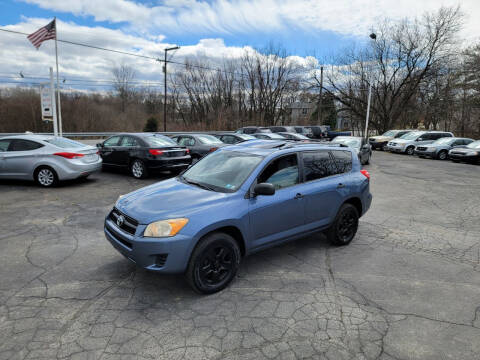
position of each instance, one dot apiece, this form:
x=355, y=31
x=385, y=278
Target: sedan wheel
x=442, y=155
x=138, y=169
x=46, y=177
x=214, y=263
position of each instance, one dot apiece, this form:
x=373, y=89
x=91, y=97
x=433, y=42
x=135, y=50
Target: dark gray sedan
x=439, y=149
x=199, y=144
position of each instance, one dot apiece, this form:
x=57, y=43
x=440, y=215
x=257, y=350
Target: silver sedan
x=46, y=159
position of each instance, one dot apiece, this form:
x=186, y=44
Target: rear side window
x=113, y=141
x=23, y=145
x=282, y=172
x=64, y=143
x=318, y=164
x=4, y=144
x=186, y=141
x=343, y=160
x=128, y=141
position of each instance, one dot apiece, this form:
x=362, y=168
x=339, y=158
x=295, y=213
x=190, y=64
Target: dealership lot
x=408, y=287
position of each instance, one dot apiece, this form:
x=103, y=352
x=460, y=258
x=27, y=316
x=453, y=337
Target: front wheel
x=214, y=263
x=138, y=169
x=442, y=155
x=345, y=226
x=410, y=150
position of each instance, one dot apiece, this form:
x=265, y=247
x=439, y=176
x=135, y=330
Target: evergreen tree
x=151, y=125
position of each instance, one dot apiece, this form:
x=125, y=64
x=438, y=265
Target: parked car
x=271, y=136
x=234, y=138
x=381, y=141
x=469, y=153
x=142, y=153
x=277, y=129
x=406, y=143
x=252, y=130
x=362, y=148
x=439, y=148
x=319, y=131
x=303, y=130
x=294, y=136
x=237, y=201
x=198, y=144
x=46, y=159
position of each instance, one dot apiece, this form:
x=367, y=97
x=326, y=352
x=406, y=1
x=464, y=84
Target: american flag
x=48, y=32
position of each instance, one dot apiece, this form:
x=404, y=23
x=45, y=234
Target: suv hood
x=401, y=141
x=168, y=199
x=381, y=138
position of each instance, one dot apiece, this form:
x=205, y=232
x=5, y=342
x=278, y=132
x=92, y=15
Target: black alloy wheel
x=345, y=226
x=214, y=263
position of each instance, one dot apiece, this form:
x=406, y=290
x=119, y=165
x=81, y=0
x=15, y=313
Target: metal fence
x=100, y=135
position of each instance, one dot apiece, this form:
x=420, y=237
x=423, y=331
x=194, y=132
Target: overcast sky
x=213, y=29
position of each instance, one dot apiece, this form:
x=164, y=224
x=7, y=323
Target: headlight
x=165, y=228
x=430, y=149
x=472, y=153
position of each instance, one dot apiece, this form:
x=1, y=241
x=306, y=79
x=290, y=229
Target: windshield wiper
x=199, y=184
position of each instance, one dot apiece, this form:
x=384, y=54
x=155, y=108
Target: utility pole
x=373, y=36
x=165, y=87
x=320, y=110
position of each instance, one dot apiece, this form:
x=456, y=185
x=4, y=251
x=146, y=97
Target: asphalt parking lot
x=408, y=287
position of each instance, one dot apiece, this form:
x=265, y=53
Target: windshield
x=389, y=133
x=349, y=141
x=247, y=137
x=445, y=140
x=222, y=170
x=159, y=140
x=474, y=145
x=65, y=143
x=209, y=139
x=411, y=135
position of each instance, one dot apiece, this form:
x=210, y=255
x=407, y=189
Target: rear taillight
x=213, y=149
x=69, y=155
x=366, y=174
x=155, y=152
x=187, y=151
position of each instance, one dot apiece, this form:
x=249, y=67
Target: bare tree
x=123, y=76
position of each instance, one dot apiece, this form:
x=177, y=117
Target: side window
x=343, y=160
x=282, y=172
x=228, y=139
x=467, y=141
x=129, y=141
x=4, y=144
x=458, y=142
x=318, y=164
x=23, y=145
x=113, y=141
x=186, y=141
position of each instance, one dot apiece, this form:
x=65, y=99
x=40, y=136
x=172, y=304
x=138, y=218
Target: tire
x=442, y=155
x=410, y=150
x=214, y=263
x=344, y=227
x=45, y=176
x=138, y=169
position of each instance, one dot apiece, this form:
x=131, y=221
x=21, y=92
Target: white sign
x=46, y=98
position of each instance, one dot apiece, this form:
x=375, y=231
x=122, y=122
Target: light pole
x=165, y=87
x=373, y=36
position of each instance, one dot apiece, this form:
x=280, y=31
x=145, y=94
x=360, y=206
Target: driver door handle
x=298, y=196
x=340, y=186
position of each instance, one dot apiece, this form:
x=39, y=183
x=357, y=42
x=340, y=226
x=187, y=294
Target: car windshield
x=445, y=140
x=389, y=133
x=159, y=140
x=474, y=145
x=247, y=137
x=411, y=135
x=223, y=171
x=64, y=143
x=350, y=142
x=209, y=139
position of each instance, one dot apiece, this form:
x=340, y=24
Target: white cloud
x=345, y=17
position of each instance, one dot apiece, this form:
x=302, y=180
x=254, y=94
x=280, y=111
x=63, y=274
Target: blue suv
x=238, y=200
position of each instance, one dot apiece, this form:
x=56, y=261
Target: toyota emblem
x=120, y=220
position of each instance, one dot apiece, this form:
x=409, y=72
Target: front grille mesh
x=129, y=225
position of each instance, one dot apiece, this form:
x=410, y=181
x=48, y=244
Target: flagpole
x=59, y=107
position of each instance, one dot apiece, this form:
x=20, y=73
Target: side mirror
x=264, y=189
x=419, y=139
x=100, y=145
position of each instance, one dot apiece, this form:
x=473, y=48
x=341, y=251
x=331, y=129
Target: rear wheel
x=442, y=155
x=46, y=177
x=214, y=263
x=345, y=226
x=138, y=169
x=410, y=150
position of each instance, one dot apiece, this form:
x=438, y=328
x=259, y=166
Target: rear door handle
x=340, y=186
x=298, y=196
